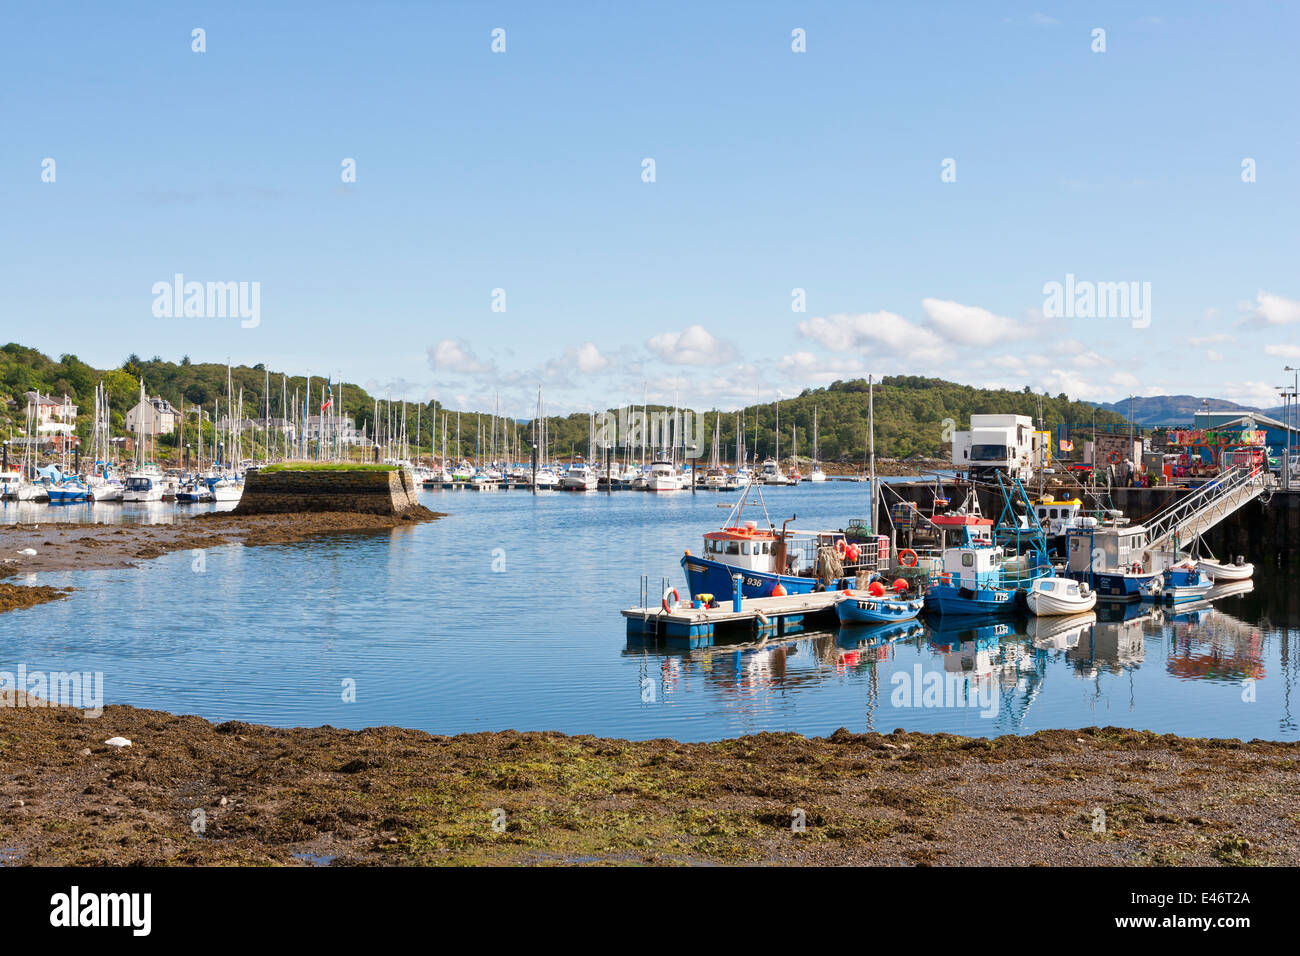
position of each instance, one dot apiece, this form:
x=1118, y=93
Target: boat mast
x=871, y=449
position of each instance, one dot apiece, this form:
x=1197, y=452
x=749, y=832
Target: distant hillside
x=1180, y=409
x=911, y=411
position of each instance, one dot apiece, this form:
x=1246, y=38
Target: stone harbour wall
x=359, y=492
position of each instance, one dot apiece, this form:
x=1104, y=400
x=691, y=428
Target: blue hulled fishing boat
x=993, y=564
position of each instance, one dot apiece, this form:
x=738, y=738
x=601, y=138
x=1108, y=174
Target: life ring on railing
x=677, y=600
x=1114, y=458
x=904, y=555
x=841, y=549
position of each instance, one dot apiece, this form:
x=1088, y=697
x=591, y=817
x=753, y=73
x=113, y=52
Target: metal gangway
x=1204, y=508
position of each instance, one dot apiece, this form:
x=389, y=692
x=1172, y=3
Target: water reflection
x=435, y=640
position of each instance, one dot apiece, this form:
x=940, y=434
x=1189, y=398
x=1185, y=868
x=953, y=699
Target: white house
x=47, y=409
x=154, y=416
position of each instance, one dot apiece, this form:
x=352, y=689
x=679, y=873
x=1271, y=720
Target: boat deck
x=699, y=626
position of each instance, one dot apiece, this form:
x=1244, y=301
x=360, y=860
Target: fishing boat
x=875, y=606
x=1112, y=558
x=980, y=575
x=579, y=477
x=1178, y=584
x=1049, y=597
x=771, y=561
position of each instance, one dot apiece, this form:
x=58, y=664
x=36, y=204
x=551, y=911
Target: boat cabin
x=1056, y=516
x=977, y=564
x=1106, y=548
x=744, y=547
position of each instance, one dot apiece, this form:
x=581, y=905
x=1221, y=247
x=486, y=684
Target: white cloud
x=1215, y=339
x=692, y=346
x=969, y=324
x=1270, y=309
x=1043, y=20
x=1283, y=351
x=876, y=331
x=587, y=358
x=450, y=355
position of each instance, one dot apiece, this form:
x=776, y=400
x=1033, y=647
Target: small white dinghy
x=1220, y=573
x=1048, y=597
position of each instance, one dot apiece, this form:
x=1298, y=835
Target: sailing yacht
x=816, y=474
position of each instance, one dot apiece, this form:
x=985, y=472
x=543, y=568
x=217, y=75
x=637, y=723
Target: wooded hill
x=911, y=411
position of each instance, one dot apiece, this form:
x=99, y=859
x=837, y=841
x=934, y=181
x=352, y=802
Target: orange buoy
x=900, y=584
x=876, y=589
x=778, y=590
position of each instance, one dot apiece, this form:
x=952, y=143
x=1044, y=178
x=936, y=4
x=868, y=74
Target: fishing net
x=829, y=567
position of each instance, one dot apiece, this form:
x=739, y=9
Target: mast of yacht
x=814, y=458
x=871, y=449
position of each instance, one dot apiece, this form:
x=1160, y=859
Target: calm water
x=435, y=638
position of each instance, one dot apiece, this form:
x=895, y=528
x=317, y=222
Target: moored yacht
x=663, y=477
x=579, y=477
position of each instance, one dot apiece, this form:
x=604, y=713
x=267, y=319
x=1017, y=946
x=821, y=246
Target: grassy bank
x=394, y=796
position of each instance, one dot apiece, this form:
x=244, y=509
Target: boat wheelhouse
x=1112, y=559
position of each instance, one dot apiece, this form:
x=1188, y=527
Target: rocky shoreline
x=190, y=792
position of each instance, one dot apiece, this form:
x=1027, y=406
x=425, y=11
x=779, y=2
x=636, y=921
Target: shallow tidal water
x=505, y=614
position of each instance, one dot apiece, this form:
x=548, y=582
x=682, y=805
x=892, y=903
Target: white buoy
x=118, y=742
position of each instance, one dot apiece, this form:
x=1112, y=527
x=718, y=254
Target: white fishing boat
x=1048, y=597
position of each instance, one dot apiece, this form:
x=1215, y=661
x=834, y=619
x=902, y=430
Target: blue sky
x=774, y=171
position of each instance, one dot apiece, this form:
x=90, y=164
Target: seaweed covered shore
x=190, y=792
x=37, y=547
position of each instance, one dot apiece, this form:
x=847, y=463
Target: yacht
x=663, y=477
x=770, y=474
x=143, y=485
x=579, y=477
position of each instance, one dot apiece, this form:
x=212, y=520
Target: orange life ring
x=903, y=555
x=1114, y=458
x=677, y=600
x=840, y=548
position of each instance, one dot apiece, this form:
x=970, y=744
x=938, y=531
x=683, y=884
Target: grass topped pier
x=307, y=486
x=310, y=466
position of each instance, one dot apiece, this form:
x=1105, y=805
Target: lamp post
x=1288, y=406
